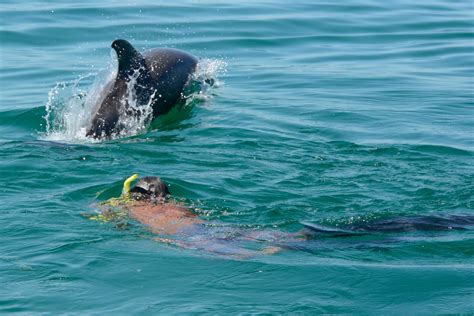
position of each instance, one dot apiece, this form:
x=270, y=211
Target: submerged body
x=155, y=79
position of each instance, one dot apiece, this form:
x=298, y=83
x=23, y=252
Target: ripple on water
x=333, y=113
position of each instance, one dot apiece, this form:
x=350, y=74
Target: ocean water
x=334, y=113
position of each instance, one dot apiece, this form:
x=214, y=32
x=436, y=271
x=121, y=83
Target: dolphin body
x=157, y=77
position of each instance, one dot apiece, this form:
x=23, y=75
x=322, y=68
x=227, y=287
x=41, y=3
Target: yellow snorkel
x=127, y=183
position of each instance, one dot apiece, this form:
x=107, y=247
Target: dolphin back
x=170, y=70
x=156, y=78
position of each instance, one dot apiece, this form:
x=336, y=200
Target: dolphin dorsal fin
x=129, y=59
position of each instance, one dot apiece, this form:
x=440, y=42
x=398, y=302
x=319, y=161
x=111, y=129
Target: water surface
x=331, y=113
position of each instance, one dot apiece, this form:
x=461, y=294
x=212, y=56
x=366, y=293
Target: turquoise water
x=326, y=112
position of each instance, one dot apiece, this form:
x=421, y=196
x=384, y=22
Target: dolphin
x=156, y=78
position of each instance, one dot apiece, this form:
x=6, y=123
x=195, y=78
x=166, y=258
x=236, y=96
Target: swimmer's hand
x=127, y=183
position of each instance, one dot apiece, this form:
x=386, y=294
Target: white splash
x=134, y=118
x=70, y=108
x=207, y=75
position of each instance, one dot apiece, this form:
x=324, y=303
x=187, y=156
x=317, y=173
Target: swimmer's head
x=149, y=188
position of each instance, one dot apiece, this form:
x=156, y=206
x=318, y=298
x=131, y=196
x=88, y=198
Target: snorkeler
x=150, y=203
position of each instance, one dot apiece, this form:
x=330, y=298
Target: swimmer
x=150, y=202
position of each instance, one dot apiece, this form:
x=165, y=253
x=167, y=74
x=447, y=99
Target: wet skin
x=163, y=218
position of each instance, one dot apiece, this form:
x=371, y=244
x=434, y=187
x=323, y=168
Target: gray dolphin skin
x=158, y=78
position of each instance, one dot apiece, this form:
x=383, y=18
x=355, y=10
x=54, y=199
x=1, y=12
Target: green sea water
x=333, y=113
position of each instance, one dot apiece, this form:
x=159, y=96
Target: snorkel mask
x=146, y=188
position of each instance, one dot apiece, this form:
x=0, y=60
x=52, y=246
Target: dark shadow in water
x=399, y=224
x=379, y=234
